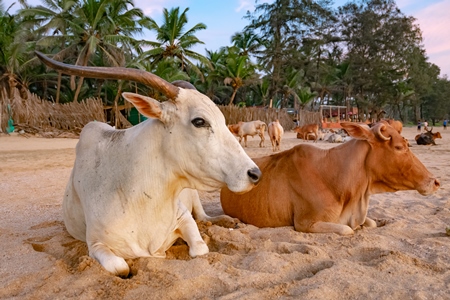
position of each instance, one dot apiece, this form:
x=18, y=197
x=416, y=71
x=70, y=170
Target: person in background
x=425, y=125
x=419, y=124
x=445, y=124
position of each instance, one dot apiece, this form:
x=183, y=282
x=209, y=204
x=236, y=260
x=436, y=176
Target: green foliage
x=175, y=41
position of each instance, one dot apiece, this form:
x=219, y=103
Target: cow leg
x=188, y=231
x=261, y=143
x=245, y=140
x=327, y=227
x=111, y=262
x=369, y=223
x=200, y=215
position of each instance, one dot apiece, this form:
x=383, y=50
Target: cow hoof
x=117, y=266
x=200, y=248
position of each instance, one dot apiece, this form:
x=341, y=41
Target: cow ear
x=358, y=131
x=147, y=106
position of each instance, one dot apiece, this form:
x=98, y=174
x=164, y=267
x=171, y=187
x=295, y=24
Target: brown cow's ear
x=147, y=106
x=357, y=131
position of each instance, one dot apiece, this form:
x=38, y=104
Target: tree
x=238, y=68
x=293, y=81
x=173, y=40
x=377, y=36
x=214, y=76
x=247, y=42
x=282, y=26
x=304, y=96
x=93, y=31
x=13, y=49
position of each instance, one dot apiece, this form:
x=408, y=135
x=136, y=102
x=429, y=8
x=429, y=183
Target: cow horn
x=378, y=131
x=144, y=77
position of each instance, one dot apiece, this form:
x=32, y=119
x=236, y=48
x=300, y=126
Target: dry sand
x=407, y=258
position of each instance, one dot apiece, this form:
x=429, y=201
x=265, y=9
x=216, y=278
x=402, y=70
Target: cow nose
x=254, y=174
x=437, y=184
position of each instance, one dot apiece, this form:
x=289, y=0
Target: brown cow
x=252, y=128
x=276, y=131
x=428, y=137
x=318, y=190
x=303, y=132
x=398, y=125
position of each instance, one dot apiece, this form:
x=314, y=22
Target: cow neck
x=350, y=167
x=159, y=170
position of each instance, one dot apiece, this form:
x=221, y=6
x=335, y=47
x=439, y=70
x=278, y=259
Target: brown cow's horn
x=378, y=131
x=144, y=77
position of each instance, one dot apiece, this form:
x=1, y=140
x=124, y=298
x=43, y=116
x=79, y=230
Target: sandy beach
x=406, y=258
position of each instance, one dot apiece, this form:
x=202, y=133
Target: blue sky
x=224, y=18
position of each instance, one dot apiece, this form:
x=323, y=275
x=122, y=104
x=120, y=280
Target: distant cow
x=428, y=137
x=303, y=132
x=398, y=125
x=276, y=132
x=252, y=128
x=124, y=197
x=317, y=190
x=334, y=138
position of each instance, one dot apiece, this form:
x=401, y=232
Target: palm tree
x=304, y=96
x=294, y=79
x=173, y=40
x=106, y=29
x=93, y=31
x=247, y=42
x=237, y=69
x=262, y=90
x=13, y=49
x=213, y=85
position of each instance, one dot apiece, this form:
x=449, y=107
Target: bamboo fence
x=34, y=115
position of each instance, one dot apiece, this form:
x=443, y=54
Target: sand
x=407, y=258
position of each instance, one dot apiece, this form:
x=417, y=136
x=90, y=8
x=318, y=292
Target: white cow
x=276, y=132
x=122, y=195
x=252, y=128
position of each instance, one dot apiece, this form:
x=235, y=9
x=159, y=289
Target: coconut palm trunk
x=232, y=96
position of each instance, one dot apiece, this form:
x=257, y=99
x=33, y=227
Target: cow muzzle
x=430, y=188
x=255, y=175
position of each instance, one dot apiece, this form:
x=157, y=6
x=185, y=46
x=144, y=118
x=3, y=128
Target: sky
x=225, y=18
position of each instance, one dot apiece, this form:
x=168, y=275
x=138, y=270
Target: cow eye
x=199, y=122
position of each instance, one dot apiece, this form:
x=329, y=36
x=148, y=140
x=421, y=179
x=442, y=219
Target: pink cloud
x=435, y=23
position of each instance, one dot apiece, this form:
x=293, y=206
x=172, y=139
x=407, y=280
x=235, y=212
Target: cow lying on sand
x=428, y=137
x=252, y=128
x=317, y=190
x=305, y=131
x=122, y=197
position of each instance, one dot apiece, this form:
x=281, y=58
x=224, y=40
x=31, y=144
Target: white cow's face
x=198, y=140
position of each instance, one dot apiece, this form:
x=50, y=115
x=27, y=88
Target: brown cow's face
x=390, y=163
x=437, y=135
